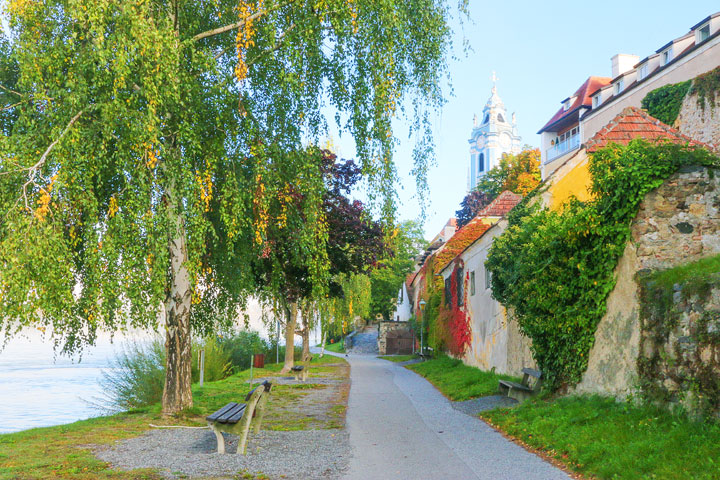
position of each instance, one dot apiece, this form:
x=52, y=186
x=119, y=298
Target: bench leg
x=245, y=428
x=304, y=375
x=220, y=438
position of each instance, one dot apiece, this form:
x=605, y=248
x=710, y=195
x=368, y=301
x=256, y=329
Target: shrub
x=218, y=364
x=136, y=377
x=240, y=346
x=664, y=103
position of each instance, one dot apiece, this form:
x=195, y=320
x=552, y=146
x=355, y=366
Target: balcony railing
x=561, y=148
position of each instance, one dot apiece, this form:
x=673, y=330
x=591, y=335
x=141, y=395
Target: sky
x=541, y=52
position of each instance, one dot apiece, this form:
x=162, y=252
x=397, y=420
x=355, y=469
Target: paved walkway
x=401, y=427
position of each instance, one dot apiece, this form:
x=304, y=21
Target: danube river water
x=39, y=389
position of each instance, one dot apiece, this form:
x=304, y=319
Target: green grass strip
x=601, y=437
x=458, y=381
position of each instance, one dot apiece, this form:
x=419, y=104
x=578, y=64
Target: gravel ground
x=179, y=452
x=291, y=380
x=477, y=405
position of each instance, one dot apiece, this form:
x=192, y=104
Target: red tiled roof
x=452, y=222
x=502, y=205
x=634, y=123
x=582, y=99
x=463, y=238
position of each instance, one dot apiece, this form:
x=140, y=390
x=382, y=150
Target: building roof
x=501, y=205
x=634, y=123
x=465, y=237
x=582, y=99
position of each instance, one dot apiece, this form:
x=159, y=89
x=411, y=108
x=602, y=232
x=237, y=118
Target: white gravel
x=182, y=453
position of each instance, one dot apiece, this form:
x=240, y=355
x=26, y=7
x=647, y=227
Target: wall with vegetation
x=679, y=362
x=699, y=114
x=677, y=224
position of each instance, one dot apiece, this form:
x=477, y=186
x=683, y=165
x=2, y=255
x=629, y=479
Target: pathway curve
x=401, y=427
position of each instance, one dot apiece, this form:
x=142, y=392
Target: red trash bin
x=259, y=360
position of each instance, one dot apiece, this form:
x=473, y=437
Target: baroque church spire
x=492, y=137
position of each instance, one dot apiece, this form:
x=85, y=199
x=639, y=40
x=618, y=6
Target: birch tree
x=131, y=181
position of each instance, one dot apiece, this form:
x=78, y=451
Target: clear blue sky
x=541, y=51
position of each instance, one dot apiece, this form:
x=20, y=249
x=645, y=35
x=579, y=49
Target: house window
x=666, y=56
x=596, y=100
x=481, y=163
x=459, y=274
x=472, y=283
x=566, y=104
x=488, y=278
x=703, y=33
x=448, y=292
x=643, y=71
x=619, y=86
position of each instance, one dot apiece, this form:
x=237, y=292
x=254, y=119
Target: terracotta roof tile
x=634, y=123
x=502, y=205
x=582, y=99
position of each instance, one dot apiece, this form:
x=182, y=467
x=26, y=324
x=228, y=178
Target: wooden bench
x=524, y=390
x=236, y=417
x=300, y=372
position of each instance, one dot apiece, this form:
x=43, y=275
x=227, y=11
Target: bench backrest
x=265, y=386
x=536, y=374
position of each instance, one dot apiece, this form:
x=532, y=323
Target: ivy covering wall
x=664, y=103
x=706, y=87
x=555, y=269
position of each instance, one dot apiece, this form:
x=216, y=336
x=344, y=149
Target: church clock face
x=505, y=140
x=480, y=143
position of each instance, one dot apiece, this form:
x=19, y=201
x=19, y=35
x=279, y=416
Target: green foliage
x=706, y=87
x=136, y=377
x=518, y=173
x=405, y=242
x=337, y=347
x=664, y=103
x=218, y=361
x=605, y=439
x=555, y=269
x=241, y=345
x=458, y=381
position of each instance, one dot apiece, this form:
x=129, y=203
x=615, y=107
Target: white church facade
x=491, y=138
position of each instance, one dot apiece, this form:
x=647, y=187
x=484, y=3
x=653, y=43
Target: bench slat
x=532, y=373
x=214, y=416
x=297, y=368
x=234, y=415
x=515, y=385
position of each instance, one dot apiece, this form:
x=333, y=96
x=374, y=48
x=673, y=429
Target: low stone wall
x=677, y=223
x=702, y=124
x=384, y=329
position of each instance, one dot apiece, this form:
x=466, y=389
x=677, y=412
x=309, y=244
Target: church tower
x=491, y=138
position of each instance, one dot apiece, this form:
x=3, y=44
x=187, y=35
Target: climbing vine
x=707, y=86
x=555, y=269
x=455, y=315
x=664, y=103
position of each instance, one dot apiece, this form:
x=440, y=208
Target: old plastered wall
x=700, y=123
x=677, y=223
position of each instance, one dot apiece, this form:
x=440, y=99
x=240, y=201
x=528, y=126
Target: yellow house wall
x=571, y=179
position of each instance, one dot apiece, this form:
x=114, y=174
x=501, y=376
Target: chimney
x=622, y=62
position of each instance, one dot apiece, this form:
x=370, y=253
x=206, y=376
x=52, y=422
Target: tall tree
x=405, y=242
x=470, y=206
x=518, y=173
x=138, y=156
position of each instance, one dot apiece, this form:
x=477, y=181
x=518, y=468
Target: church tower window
x=487, y=119
x=501, y=118
x=481, y=162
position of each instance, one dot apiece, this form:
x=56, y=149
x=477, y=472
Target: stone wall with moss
x=677, y=224
x=679, y=362
x=699, y=115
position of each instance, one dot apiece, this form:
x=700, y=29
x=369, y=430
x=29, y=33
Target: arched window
x=481, y=162
x=487, y=119
x=500, y=118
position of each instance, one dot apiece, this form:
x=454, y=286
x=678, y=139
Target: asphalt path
x=401, y=427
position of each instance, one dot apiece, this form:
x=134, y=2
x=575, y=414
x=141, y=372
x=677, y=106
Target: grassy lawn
x=608, y=439
x=458, y=381
x=398, y=358
x=62, y=452
x=338, y=347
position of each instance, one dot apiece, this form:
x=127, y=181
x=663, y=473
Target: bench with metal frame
x=236, y=417
x=522, y=391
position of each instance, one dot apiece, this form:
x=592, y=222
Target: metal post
x=277, y=341
x=202, y=366
x=251, y=370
